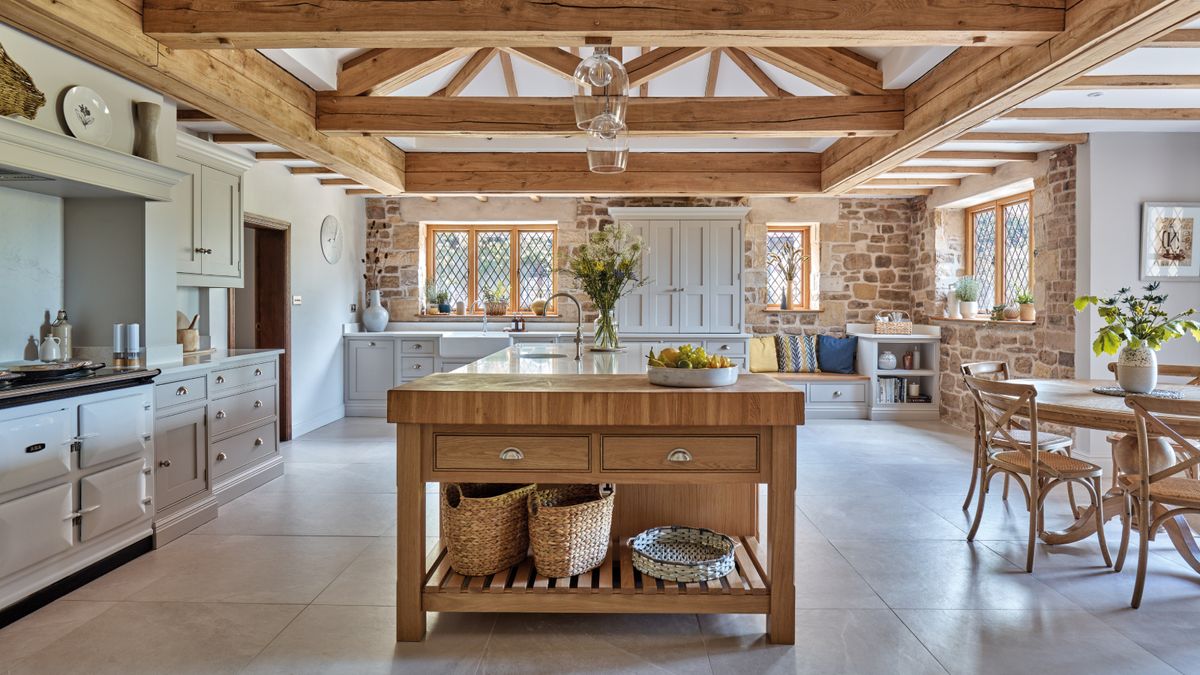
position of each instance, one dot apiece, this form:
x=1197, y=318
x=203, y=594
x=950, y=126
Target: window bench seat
x=830, y=395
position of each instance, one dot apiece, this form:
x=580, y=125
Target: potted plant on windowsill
x=967, y=289
x=495, y=300
x=1135, y=327
x=1025, y=302
x=789, y=260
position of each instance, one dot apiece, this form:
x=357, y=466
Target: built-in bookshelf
x=900, y=393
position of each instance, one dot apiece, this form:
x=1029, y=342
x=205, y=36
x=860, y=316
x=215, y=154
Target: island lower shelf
x=614, y=587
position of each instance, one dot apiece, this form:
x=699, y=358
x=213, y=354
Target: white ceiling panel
x=1153, y=61
x=1089, y=126
x=489, y=81
x=791, y=83
x=1118, y=98
x=433, y=81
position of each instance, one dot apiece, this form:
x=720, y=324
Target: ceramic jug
x=51, y=349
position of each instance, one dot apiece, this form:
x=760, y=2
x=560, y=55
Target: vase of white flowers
x=608, y=267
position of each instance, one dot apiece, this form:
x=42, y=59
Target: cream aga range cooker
x=75, y=481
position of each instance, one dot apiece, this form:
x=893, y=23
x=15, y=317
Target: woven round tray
x=682, y=553
x=1116, y=390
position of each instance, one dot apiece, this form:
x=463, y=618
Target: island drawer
x=239, y=410
x=837, y=393
x=238, y=451
x=254, y=373
x=679, y=453
x=178, y=393
x=511, y=453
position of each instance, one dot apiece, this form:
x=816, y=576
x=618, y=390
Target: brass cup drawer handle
x=182, y=391
x=221, y=457
x=258, y=404
x=512, y=454
x=679, y=455
x=220, y=414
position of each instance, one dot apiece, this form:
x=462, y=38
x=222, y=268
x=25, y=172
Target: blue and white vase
x=1137, y=369
x=375, y=316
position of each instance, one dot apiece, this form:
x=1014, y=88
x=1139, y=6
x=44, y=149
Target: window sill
x=984, y=321
x=491, y=317
x=776, y=310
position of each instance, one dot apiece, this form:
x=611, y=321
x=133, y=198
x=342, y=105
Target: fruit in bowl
x=690, y=366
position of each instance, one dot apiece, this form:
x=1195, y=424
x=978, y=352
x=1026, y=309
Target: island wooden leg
x=781, y=533
x=410, y=534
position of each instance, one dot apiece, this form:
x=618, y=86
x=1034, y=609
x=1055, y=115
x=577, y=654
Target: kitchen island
x=532, y=413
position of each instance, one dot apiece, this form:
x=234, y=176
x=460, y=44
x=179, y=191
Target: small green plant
x=998, y=312
x=497, y=293
x=1137, y=320
x=1025, y=297
x=967, y=289
x=435, y=294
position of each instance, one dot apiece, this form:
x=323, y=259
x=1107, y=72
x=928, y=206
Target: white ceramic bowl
x=693, y=377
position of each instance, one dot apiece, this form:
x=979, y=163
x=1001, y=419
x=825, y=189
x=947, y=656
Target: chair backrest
x=1192, y=373
x=1149, y=412
x=992, y=370
x=997, y=403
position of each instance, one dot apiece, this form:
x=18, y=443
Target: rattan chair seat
x=1170, y=490
x=1052, y=464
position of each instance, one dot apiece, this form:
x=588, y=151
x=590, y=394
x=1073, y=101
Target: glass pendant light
x=603, y=88
x=607, y=145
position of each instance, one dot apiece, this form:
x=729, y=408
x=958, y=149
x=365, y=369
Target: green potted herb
x=998, y=312
x=1025, y=301
x=967, y=289
x=495, y=300
x=1135, y=327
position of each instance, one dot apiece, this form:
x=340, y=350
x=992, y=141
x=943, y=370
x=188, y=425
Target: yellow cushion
x=762, y=355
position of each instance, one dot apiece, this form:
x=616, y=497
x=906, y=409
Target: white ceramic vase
x=375, y=316
x=952, y=305
x=968, y=309
x=1137, y=369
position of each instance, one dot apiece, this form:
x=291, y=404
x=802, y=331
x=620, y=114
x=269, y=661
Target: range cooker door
x=35, y=527
x=34, y=448
x=111, y=498
x=113, y=428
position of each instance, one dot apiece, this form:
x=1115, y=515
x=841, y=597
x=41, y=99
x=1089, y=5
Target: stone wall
x=1045, y=350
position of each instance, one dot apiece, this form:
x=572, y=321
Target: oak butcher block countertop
x=574, y=393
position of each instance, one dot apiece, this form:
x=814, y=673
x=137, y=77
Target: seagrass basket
x=484, y=526
x=18, y=94
x=570, y=528
x=885, y=325
x=686, y=554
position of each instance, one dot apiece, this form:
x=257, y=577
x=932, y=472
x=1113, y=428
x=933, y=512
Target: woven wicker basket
x=570, y=528
x=685, y=554
x=485, y=526
x=18, y=94
x=903, y=327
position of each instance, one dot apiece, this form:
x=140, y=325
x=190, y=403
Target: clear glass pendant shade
x=607, y=146
x=603, y=86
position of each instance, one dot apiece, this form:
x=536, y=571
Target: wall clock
x=332, y=239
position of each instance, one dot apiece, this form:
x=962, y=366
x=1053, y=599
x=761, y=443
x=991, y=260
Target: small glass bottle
x=61, y=329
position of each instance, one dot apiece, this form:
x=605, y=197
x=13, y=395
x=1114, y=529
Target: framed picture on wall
x=1170, y=245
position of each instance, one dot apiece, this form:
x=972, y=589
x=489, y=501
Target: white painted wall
x=31, y=268
x=1117, y=172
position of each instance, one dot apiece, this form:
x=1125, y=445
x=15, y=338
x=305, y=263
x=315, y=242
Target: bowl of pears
x=690, y=366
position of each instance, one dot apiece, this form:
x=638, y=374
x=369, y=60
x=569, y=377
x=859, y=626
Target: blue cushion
x=836, y=355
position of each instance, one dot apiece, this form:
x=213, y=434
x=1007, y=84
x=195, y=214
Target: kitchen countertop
x=217, y=359
x=516, y=360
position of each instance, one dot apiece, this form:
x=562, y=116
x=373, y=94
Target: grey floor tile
x=290, y=513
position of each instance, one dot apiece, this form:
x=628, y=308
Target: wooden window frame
x=969, y=254
x=804, y=302
x=514, y=256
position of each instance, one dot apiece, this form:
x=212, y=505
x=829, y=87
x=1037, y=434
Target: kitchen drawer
x=417, y=346
x=416, y=366
x=843, y=392
x=725, y=347
x=240, y=410
x=244, y=448
x=679, y=453
x=178, y=393
x=511, y=453
x=232, y=378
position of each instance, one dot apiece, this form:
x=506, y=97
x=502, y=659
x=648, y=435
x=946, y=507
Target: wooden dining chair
x=1023, y=458
x=1173, y=493
x=1191, y=375
x=998, y=371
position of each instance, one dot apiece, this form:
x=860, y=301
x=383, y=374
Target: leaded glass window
x=779, y=237
x=1001, y=251
x=468, y=261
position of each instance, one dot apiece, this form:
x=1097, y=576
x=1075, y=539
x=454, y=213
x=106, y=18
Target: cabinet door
x=180, y=457
x=663, y=258
x=221, y=222
x=113, y=428
x=633, y=310
x=35, y=448
x=111, y=498
x=35, y=527
x=185, y=209
x=372, y=367
x=694, y=282
x=725, y=277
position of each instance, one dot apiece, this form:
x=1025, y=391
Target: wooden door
x=180, y=456
x=371, y=368
x=185, y=209
x=694, y=254
x=726, y=303
x=221, y=212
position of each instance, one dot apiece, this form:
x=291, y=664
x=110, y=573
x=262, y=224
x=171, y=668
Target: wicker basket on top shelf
x=886, y=323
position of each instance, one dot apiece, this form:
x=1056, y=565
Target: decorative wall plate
x=87, y=115
x=332, y=239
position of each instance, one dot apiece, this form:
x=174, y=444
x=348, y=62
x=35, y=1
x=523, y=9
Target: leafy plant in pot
x=967, y=289
x=436, y=296
x=1135, y=327
x=495, y=300
x=789, y=260
x=607, y=268
x=1025, y=301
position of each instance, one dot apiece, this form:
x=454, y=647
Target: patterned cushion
x=797, y=353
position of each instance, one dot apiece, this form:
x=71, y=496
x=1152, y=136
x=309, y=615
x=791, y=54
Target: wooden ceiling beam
x=311, y=170
x=1137, y=114
x=977, y=155
x=954, y=170
x=714, y=70
x=362, y=191
x=243, y=88
x=379, y=72
x=1134, y=81
x=237, y=139
x=760, y=79
x=660, y=60
x=510, y=78
x=467, y=73
x=913, y=182
x=554, y=59
x=648, y=174
x=530, y=116
x=830, y=69
x=1006, y=137
x=237, y=24
x=194, y=116
x=338, y=181
x=277, y=157
x=898, y=193
x=1187, y=38
x=973, y=86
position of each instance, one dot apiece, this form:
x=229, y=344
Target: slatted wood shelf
x=614, y=587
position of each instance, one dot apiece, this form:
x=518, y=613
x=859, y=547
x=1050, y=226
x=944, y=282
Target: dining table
x=1074, y=403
